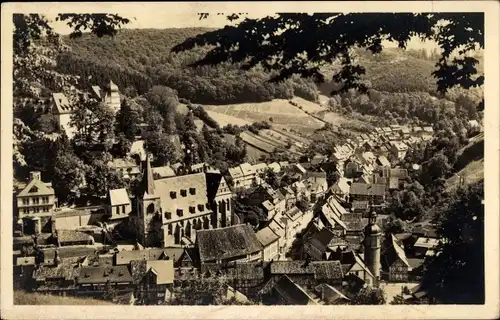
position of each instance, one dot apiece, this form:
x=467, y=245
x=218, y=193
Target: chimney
x=35, y=175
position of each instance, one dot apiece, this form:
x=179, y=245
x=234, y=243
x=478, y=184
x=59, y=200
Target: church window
x=192, y=191
x=183, y=192
x=192, y=209
x=173, y=194
x=201, y=207
x=179, y=212
x=168, y=215
x=151, y=208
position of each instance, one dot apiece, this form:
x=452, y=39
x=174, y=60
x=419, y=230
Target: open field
x=280, y=110
x=24, y=298
x=309, y=106
x=252, y=140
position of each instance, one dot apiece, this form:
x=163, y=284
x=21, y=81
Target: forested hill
x=136, y=59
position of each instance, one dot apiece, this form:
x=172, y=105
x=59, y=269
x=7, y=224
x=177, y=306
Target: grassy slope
x=472, y=172
x=24, y=298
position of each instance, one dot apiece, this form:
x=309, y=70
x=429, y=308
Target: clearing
x=473, y=172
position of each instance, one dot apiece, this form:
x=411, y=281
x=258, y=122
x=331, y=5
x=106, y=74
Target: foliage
x=161, y=147
x=127, y=120
x=69, y=175
x=100, y=179
x=200, y=291
x=201, y=113
x=455, y=274
x=300, y=43
x=370, y=296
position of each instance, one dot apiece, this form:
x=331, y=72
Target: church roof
x=61, y=103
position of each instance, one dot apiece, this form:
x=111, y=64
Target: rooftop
x=228, y=242
x=113, y=274
x=125, y=256
x=119, y=197
x=266, y=236
x=367, y=189
x=72, y=236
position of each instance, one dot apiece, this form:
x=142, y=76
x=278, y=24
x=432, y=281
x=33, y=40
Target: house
x=308, y=274
x=317, y=245
x=352, y=264
x=301, y=191
x=286, y=292
x=391, y=177
x=119, y=205
x=290, y=197
x=137, y=150
x=317, y=185
x=235, y=243
x=237, y=176
x=298, y=168
x=126, y=167
x=110, y=95
x=353, y=170
x=171, y=210
x=423, y=245
x=394, y=262
x=62, y=110
x=73, y=238
x=270, y=243
x=383, y=162
x=59, y=278
x=405, y=132
x=36, y=199
x=360, y=206
x=417, y=131
x=153, y=280
x=94, y=281
x=275, y=166
x=198, y=167
x=268, y=208
x=66, y=218
x=428, y=130
x=341, y=188
x=297, y=220
x=279, y=225
x=386, y=130
x=330, y=295
x=369, y=192
x=175, y=254
x=248, y=175
x=399, y=149
x=246, y=277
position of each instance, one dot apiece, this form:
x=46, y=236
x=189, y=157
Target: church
x=170, y=210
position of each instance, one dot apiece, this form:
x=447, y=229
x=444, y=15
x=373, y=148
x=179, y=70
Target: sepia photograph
x=269, y=155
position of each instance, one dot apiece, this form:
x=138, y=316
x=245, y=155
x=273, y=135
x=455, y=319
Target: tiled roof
x=360, y=204
x=228, y=242
x=245, y=271
x=126, y=256
x=332, y=292
x=67, y=269
x=367, y=189
x=66, y=252
x=235, y=172
x=120, y=163
x=327, y=270
x=119, y=197
x=61, y=103
x=394, y=252
x=25, y=261
x=291, y=267
x=113, y=274
x=165, y=188
x=266, y=236
x=72, y=236
x=294, y=213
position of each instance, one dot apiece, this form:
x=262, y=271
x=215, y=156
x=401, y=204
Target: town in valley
x=145, y=185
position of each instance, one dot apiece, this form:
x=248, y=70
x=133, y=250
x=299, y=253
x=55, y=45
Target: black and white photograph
x=269, y=155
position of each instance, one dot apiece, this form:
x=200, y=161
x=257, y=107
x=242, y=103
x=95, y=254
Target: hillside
x=24, y=298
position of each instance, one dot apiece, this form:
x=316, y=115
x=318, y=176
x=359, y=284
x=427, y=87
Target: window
x=192, y=209
x=36, y=210
x=45, y=199
x=201, y=207
x=169, y=228
x=36, y=200
x=192, y=191
x=151, y=208
x=168, y=215
x=26, y=202
x=173, y=194
x=179, y=212
x=184, y=192
x=123, y=209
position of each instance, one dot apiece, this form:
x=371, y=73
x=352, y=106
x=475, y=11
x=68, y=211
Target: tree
x=300, y=43
x=162, y=148
x=127, y=120
x=370, y=296
x=455, y=274
x=69, y=175
x=94, y=122
x=100, y=179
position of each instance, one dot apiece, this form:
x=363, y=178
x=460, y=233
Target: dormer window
x=173, y=194
x=184, y=192
x=201, y=207
x=179, y=212
x=34, y=189
x=192, y=191
x=192, y=209
x=168, y=215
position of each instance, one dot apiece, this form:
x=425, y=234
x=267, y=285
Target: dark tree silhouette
x=300, y=43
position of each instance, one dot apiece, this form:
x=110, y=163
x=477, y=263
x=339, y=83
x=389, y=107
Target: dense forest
x=138, y=59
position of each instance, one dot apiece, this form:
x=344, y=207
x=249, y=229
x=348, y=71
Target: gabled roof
x=383, y=161
x=119, y=197
x=126, y=256
x=294, y=213
x=394, y=252
x=367, y=189
x=228, y=242
x=333, y=294
x=119, y=163
x=164, y=172
x=61, y=103
x=266, y=236
x=163, y=269
x=291, y=292
x=235, y=172
x=113, y=274
x=36, y=188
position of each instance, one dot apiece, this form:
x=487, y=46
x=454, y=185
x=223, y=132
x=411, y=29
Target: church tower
x=148, y=209
x=372, y=244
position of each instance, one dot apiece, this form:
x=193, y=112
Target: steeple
x=147, y=183
x=372, y=245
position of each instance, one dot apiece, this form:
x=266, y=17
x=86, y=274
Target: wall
x=271, y=251
x=64, y=121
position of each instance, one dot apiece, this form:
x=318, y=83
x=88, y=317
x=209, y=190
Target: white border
x=488, y=311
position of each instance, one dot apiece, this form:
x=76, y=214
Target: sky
x=147, y=20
